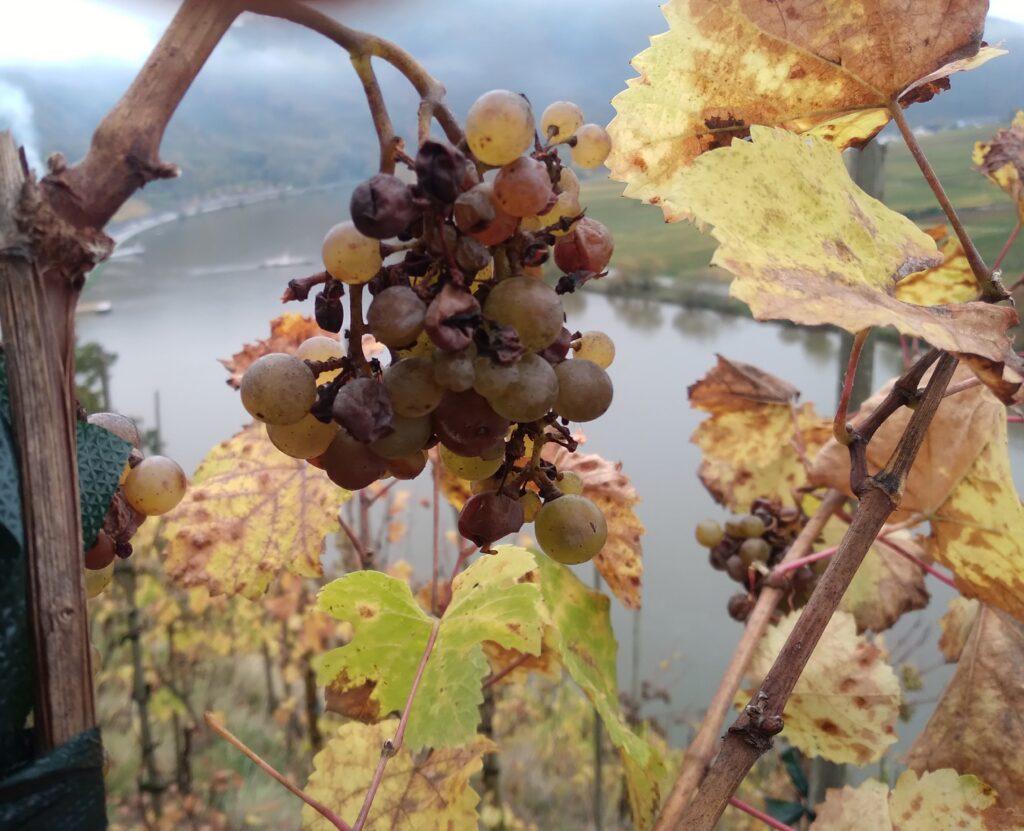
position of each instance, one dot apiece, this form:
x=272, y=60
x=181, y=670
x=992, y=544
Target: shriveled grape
x=489, y=516
x=587, y=247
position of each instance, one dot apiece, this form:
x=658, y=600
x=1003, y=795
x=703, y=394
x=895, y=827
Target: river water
x=197, y=292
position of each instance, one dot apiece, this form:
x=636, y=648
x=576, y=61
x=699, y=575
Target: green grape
x=408, y=467
x=351, y=464
x=571, y=529
x=490, y=378
x=734, y=528
x=531, y=505
x=584, y=390
x=597, y=348
x=754, y=550
x=155, y=485
x=121, y=426
x=409, y=436
x=321, y=348
x=569, y=182
x=96, y=581
x=395, y=316
x=472, y=468
x=752, y=526
x=306, y=438
x=560, y=120
x=530, y=392
x=412, y=388
x=349, y=256
x=593, y=144
x=709, y=533
x=570, y=482
x=454, y=370
x=566, y=205
x=499, y=127
x=523, y=187
x=278, y=389
x=530, y=306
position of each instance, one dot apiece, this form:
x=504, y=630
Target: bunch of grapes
x=150, y=486
x=479, y=351
x=749, y=546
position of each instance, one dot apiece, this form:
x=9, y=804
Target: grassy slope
x=646, y=247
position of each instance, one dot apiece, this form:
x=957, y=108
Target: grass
x=645, y=247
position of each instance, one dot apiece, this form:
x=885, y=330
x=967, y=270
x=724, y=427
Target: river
x=197, y=292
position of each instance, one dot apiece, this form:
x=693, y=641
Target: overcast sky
x=70, y=31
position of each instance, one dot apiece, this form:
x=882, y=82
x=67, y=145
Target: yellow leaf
x=829, y=67
x=952, y=281
x=977, y=726
x=939, y=800
x=846, y=703
x=750, y=445
x=1002, y=160
x=250, y=512
x=417, y=793
x=841, y=262
x=956, y=626
x=287, y=333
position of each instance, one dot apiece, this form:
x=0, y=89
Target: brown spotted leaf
x=806, y=65
x=939, y=800
x=757, y=440
x=956, y=627
x=978, y=724
x=287, y=332
x=952, y=281
x=845, y=705
x=417, y=792
x=1002, y=160
x=251, y=511
x=841, y=263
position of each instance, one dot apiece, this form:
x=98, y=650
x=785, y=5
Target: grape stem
x=435, y=471
x=364, y=556
x=840, y=429
x=267, y=768
x=770, y=821
x=1007, y=246
x=356, y=330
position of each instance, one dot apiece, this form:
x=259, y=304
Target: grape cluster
x=150, y=486
x=749, y=546
x=479, y=351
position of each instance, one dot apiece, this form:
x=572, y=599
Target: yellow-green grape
x=97, y=580
x=560, y=120
x=593, y=144
x=522, y=187
x=571, y=529
x=472, y=468
x=709, y=533
x=499, y=127
x=531, y=505
x=570, y=482
x=528, y=305
x=155, y=485
x=409, y=436
x=596, y=347
x=321, y=348
x=396, y=316
x=349, y=256
x=584, y=390
x=754, y=550
x=480, y=485
x=412, y=388
x=454, y=370
x=306, y=438
x=121, y=426
x=566, y=205
x=278, y=389
x=530, y=393
x=569, y=182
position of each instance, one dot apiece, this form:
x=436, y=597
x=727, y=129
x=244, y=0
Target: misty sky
x=70, y=31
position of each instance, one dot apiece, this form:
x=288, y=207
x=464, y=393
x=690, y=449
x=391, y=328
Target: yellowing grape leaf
x=750, y=445
x=956, y=627
x=978, y=725
x=819, y=65
x=417, y=793
x=938, y=800
x=952, y=281
x=620, y=562
x=845, y=706
x=287, y=332
x=250, y=512
x=962, y=426
x=1002, y=160
x=887, y=585
x=978, y=531
x=391, y=631
x=841, y=262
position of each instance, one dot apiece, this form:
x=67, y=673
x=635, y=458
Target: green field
x=645, y=247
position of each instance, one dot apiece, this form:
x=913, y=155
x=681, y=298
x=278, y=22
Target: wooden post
x=43, y=418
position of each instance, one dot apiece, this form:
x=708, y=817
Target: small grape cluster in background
x=747, y=547
x=149, y=486
x=481, y=361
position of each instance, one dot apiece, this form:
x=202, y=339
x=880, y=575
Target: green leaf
x=791, y=759
x=391, y=631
